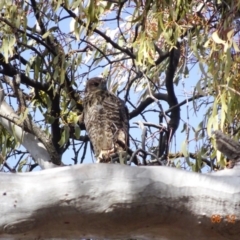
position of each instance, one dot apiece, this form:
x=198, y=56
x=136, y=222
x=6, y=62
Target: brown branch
x=29, y=126
x=193, y=156
x=10, y=71
x=184, y=102
x=104, y=36
x=146, y=103
x=148, y=124
x=172, y=99
x=23, y=32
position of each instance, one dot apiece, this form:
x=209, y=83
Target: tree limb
x=10, y=71
x=135, y=202
x=229, y=147
x=9, y=119
x=147, y=102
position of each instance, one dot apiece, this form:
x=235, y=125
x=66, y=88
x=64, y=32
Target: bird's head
x=96, y=84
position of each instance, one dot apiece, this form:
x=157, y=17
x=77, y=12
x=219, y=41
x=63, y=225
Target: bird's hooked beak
x=103, y=85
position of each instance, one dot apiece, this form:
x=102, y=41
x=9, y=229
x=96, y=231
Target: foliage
x=55, y=46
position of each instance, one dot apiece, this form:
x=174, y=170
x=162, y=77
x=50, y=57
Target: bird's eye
x=96, y=84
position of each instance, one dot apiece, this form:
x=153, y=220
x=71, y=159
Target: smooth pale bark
x=28, y=140
x=108, y=201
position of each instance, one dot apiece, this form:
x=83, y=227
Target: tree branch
x=147, y=102
x=10, y=71
x=104, y=36
x=28, y=125
x=76, y=197
x=8, y=120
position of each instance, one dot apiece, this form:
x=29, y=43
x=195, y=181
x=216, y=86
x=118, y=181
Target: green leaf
x=21, y=165
x=77, y=131
x=46, y=34
x=64, y=136
x=184, y=149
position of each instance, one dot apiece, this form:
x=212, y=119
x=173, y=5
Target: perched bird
x=106, y=120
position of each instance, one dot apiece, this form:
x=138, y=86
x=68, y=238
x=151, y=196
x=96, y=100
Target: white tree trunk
x=28, y=140
x=109, y=201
